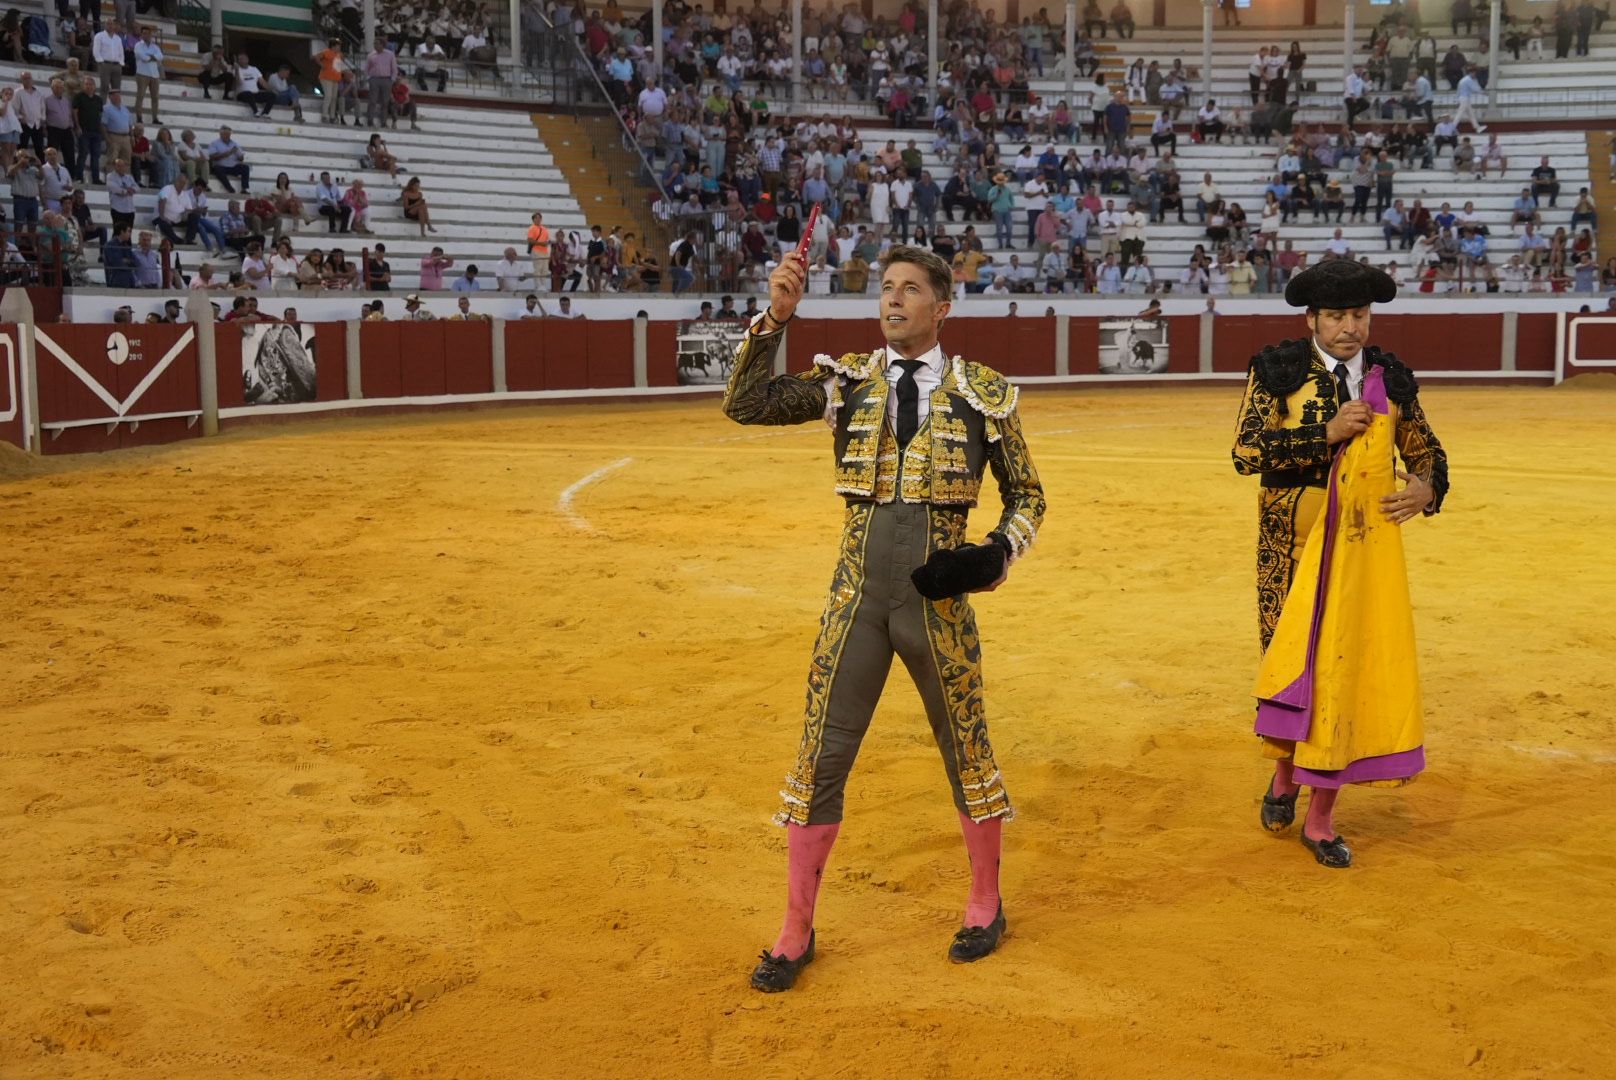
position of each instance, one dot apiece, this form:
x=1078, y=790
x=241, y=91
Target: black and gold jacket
x=972, y=424
x=1291, y=396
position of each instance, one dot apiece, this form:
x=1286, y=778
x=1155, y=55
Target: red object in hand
x=808, y=234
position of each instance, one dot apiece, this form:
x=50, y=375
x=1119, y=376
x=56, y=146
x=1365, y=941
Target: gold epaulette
x=853, y=365
x=988, y=392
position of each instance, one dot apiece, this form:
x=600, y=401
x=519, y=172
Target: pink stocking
x=808, y=848
x=1284, y=778
x=982, y=844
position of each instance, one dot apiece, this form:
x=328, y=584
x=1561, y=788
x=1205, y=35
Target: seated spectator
x=283, y=266
x=262, y=217
x=430, y=61
x=356, y=201
x=249, y=87
x=338, y=272
x=467, y=281
x=206, y=226
x=216, y=71
x=1544, y=182
x=311, y=271
x=415, y=206
x=234, y=226
x=226, y=159
x=377, y=156
x=283, y=91
x=1525, y=211
x=193, y=158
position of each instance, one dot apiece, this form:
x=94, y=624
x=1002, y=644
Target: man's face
x=465, y=305
x=911, y=313
x=1341, y=332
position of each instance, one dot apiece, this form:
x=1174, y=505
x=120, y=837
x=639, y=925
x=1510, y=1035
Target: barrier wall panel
x=468, y=357
x=804, y=340
x=566, y=356
x=1032, y=348
x=157, y=432
x=661, y=353
x=1184, y=344
x=142, y=369
x=524, y=353
x=12, y=429
x=1237, y=338
x=844, y=336
x=611, y=353
x=62, y=394
x=227, y=363
x=380, y=370
x=1534, y=341
x=1083, y=346
x=421, y=359
x=330, y=362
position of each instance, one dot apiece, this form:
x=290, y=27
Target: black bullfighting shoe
x=1278, y=811
x=1332, y=853
x=776, y=974
x=972, y=943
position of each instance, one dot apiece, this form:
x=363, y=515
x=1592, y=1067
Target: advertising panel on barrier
x=277, y=363
x=707, y=350
x=1133, y=346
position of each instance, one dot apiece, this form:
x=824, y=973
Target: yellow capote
x=1365, y=680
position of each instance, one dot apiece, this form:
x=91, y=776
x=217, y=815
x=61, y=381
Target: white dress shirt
x=1354, y=369
x=928, y=377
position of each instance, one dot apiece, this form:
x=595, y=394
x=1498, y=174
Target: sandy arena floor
x=383, y=747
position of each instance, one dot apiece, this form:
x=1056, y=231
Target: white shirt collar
x=1355, y=367
x=932, y=358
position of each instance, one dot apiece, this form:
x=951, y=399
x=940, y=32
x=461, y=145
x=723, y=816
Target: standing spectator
x=283, y=91
x=331, y=66
x=927, y=197
x=1385, y=174
x=30, y=105
x=148, y=73
x=108, y=53
x=685, y=260
x=429, y=64
x=1470, y=94
x=226, y=159
x=117, y=124
x=381, y=69
x=55, y=182
x=121, y=188
x=119, y=259
x=25, y=177
x=1355, y=94
x=1118, y=121
x=538, y=246
x=11, y=127
x=903, y=196
x=59, y=127
x=87, y=112
x=1131, y=234
x=1001, y=200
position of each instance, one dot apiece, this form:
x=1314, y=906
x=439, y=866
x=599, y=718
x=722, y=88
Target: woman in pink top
x=356, y=200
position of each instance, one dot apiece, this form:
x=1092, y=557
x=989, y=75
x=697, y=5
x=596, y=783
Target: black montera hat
x=1340, y=283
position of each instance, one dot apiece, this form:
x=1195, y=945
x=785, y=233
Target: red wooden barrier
x=1534, y=341
x=661, y=353
x=108, y=373
x=11, y=388
x=611, y=352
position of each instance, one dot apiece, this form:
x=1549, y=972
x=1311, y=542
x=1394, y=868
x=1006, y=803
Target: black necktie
x=908, y=402
x=1343, y=388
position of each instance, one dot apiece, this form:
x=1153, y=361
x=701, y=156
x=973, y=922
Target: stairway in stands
x=1602, y=187
x=603, y=175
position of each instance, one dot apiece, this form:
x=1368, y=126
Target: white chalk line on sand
x=564, y=500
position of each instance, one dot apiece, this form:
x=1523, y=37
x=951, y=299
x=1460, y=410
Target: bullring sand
x=446, y=747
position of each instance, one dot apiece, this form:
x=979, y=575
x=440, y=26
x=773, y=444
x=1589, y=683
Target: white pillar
x=502, y=384
x=516, y=34
x=796, y=54
x=370, y=27
x=642, y=360
x=656, y=42
x=1207, y=7
x=350, y=330
x=216, y=22
x=1493, y=31
x=17, y=307
x=1346, y=40
x=199, y=313
x=1071, y=49
x=931, y=52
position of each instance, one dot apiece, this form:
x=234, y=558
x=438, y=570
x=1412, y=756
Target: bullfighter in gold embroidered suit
x=913, y=432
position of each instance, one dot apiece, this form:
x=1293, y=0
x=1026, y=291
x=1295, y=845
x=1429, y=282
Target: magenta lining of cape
x=1289, y=713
